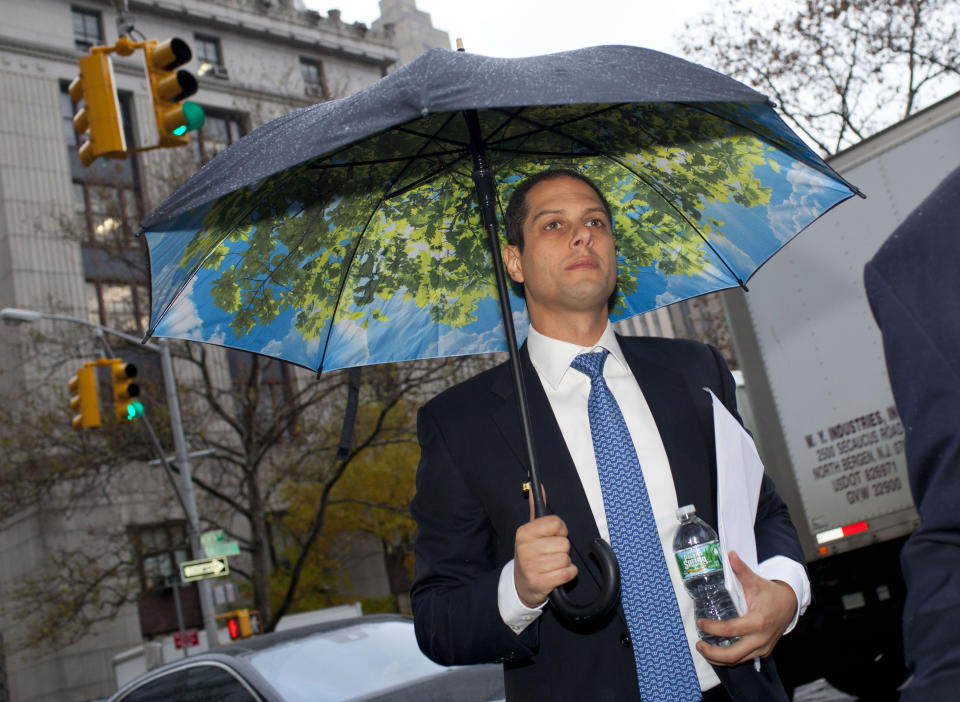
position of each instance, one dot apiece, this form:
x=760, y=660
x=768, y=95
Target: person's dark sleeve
x=924, y=377
x=454, y=593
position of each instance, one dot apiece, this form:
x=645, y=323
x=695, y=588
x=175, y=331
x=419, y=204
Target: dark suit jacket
x=913, y=284
x=469, y=505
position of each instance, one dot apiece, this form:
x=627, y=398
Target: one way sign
x=215, y=567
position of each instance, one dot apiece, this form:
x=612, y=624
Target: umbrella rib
x=381, y=161
x=434, y=138
x=500, y=127
x=540, y=128
x=425, y=179
x=537, y=152
x=186, y=281
x=290, y=252
x=393, y=159
x=650, y=185
x=503, y=125
x=453, y=163
x=346, y=269
x=775, y=140
x=684, y=217
x=511, y=116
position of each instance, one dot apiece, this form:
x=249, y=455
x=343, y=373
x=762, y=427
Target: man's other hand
x=771, y=605
x=541, y=558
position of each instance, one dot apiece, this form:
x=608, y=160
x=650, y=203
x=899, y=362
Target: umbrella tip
x=460, y=45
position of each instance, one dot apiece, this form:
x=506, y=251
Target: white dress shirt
x=567, y=391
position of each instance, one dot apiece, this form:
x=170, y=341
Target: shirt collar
x=552, y=357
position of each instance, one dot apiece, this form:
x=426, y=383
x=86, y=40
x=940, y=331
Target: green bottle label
x=700, y=560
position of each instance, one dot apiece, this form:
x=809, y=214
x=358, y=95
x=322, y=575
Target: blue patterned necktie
x=664, y=666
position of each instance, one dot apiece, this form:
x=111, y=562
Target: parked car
x=373, y=658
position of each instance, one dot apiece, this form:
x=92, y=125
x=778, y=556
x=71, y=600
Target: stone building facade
x=255, y=60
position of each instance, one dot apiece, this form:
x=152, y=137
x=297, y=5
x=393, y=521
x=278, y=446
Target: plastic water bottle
x=701, y=565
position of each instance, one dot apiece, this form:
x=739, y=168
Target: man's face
x=568, y=263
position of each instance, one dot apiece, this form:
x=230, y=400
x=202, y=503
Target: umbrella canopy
x=348, y=233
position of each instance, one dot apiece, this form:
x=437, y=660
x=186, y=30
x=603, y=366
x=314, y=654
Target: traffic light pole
x=179, y=443
x=189, y=497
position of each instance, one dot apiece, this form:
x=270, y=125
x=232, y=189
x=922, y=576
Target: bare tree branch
x=839, y=70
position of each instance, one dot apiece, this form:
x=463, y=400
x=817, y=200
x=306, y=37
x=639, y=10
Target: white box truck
x=818, y=401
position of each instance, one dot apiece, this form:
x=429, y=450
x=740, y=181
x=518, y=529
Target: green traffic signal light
x=193, y=118
x=134, y=410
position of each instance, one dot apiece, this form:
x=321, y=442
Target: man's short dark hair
x=517, y=209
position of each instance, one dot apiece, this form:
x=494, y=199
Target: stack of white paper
x=739, y=474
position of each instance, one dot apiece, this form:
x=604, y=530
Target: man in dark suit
x=484, y=566
x=913, y=284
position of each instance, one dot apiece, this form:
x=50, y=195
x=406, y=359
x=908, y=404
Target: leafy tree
x=275, y=453
x=370, y=503
x=839, y=69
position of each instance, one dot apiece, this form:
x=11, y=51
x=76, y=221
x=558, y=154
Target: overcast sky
x=510, y=28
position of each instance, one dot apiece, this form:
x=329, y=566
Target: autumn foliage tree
x=279, y=453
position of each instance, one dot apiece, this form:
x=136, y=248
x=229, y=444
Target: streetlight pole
x=10, y=314
x=189, y=497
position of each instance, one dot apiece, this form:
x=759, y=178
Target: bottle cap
x=686, y=511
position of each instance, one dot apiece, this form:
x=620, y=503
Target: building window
x=87, y=28
x=160, y=549
x=207, y=53
x=313, y=82
x=217, y=133
x=119, y=305
x=67, y=111
x=108, y=213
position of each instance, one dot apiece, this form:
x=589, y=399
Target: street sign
x=204, y=568
x=222, y=548
x=186, y=639
x=211, y=537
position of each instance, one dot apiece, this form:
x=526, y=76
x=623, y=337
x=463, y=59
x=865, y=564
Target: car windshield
x=347, y=663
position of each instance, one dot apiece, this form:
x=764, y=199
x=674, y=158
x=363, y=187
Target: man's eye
x=552, y=225
x=596, y=222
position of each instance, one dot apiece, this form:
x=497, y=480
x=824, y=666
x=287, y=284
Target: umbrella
x=348, y=233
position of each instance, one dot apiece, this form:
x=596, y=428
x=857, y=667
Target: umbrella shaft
x=487, y=198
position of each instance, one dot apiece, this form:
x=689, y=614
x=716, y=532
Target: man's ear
x=511, y=257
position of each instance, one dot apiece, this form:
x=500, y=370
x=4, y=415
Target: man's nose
x=582, y=236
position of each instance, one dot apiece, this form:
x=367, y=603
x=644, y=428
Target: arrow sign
x=204, y=568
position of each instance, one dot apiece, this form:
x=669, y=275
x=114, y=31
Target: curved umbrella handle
x=609, y=588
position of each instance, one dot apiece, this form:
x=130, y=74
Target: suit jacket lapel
x=686, y=436
x=565, y=495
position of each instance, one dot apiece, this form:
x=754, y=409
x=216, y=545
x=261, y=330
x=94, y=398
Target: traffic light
x=242, y=623
x=99, y=118
x=84, y=401
x=169, y=86
x=125, y=391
